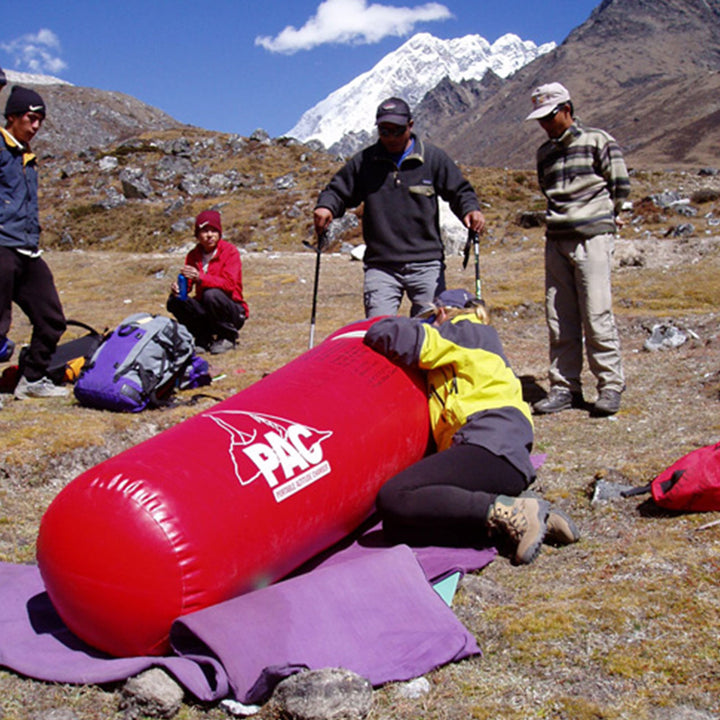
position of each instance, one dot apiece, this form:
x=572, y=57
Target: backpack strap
x=666, y=485
x=84, y=326
x=636, y=491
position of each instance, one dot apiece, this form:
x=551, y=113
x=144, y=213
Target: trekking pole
x=474, y=240
x=476, y=249
x=318, y=250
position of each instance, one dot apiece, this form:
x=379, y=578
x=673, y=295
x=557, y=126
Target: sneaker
x=561, y=530
x=221, y=345
x=42, y=388
x=608, y=402
x=558, y=399
x=7, y=346
x=524, y=520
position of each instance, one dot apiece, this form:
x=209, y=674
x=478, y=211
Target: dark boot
x=608, y=403
x=558, y=399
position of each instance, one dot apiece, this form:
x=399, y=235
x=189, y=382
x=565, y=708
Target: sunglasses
x=392, y=132
x=548, y=118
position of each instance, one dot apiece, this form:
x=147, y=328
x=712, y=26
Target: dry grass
x=622, y=625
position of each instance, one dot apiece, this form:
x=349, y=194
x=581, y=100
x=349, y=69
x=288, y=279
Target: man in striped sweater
x=582, y=174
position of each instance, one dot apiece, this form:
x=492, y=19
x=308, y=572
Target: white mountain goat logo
x=287, y=454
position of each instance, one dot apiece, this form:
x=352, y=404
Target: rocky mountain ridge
x=81, y=118
x=647, y=72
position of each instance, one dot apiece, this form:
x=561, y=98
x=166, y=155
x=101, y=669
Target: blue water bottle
x=182, y=287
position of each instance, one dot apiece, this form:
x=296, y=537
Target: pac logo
x=287, y=454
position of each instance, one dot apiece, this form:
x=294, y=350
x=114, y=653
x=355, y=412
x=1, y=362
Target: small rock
x=414, y=688
x=326, y=694
x=107, y=163
x=665, y=199
x=260, y=136
x=682, y=712
x=315, y=145
x=53, y=714
x=285, y=182
x=114, y=199
x=664, y=337
x=682, y=230
x=135, y=185
x=174, y=206
x=238, y=709
x=193, y=184
x=182, y=226
x=605, y=490
x=152, y=693
x=685, y=210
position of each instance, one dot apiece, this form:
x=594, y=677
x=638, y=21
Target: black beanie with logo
x=23, y=100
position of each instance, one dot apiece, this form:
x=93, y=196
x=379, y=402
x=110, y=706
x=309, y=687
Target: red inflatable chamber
x=232, y=499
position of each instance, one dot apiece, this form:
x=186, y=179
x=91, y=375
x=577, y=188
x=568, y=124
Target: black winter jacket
x=400, y=216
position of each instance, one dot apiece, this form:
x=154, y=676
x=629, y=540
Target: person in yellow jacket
x=482, y=428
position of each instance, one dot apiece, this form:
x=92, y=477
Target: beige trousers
x=578, y=303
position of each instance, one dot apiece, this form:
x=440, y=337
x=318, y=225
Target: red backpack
x=692, y=483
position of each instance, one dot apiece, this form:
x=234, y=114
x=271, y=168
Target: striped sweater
x=583, y=176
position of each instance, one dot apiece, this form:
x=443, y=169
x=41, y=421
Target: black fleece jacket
x=400, y=216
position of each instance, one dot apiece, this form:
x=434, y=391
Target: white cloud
x=39, y=53
x=352, y=21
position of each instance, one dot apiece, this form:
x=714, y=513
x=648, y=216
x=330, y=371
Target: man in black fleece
x=399, y=179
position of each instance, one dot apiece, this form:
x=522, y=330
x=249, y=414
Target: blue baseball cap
x=458, y=298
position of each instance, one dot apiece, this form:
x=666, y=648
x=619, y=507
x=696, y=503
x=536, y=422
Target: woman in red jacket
x=214, y=269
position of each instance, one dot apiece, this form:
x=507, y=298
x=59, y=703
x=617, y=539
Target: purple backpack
x=137, y=366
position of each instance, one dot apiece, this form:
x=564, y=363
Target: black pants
x=444, y=498
x=214, y=316
x=28, y=282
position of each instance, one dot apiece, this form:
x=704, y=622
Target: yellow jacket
x=473, y=395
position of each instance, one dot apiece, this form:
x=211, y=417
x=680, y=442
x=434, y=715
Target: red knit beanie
x=208, y=217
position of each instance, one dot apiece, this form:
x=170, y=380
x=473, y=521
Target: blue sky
x=237, y=65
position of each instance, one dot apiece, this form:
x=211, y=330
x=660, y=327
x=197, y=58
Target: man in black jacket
x=25, y=277
x=399, y=179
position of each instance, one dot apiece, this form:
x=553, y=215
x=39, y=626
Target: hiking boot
x=221, y=345
x=524, y=520
x=561, y=530
x=7, y=346
x=558, y=399
x=608, y=402
x=42, y=388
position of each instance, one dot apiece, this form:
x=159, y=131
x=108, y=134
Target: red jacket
x=224, y=271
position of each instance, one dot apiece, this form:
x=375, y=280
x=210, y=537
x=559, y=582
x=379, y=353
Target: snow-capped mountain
x=23, y=78
x=409, y=72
